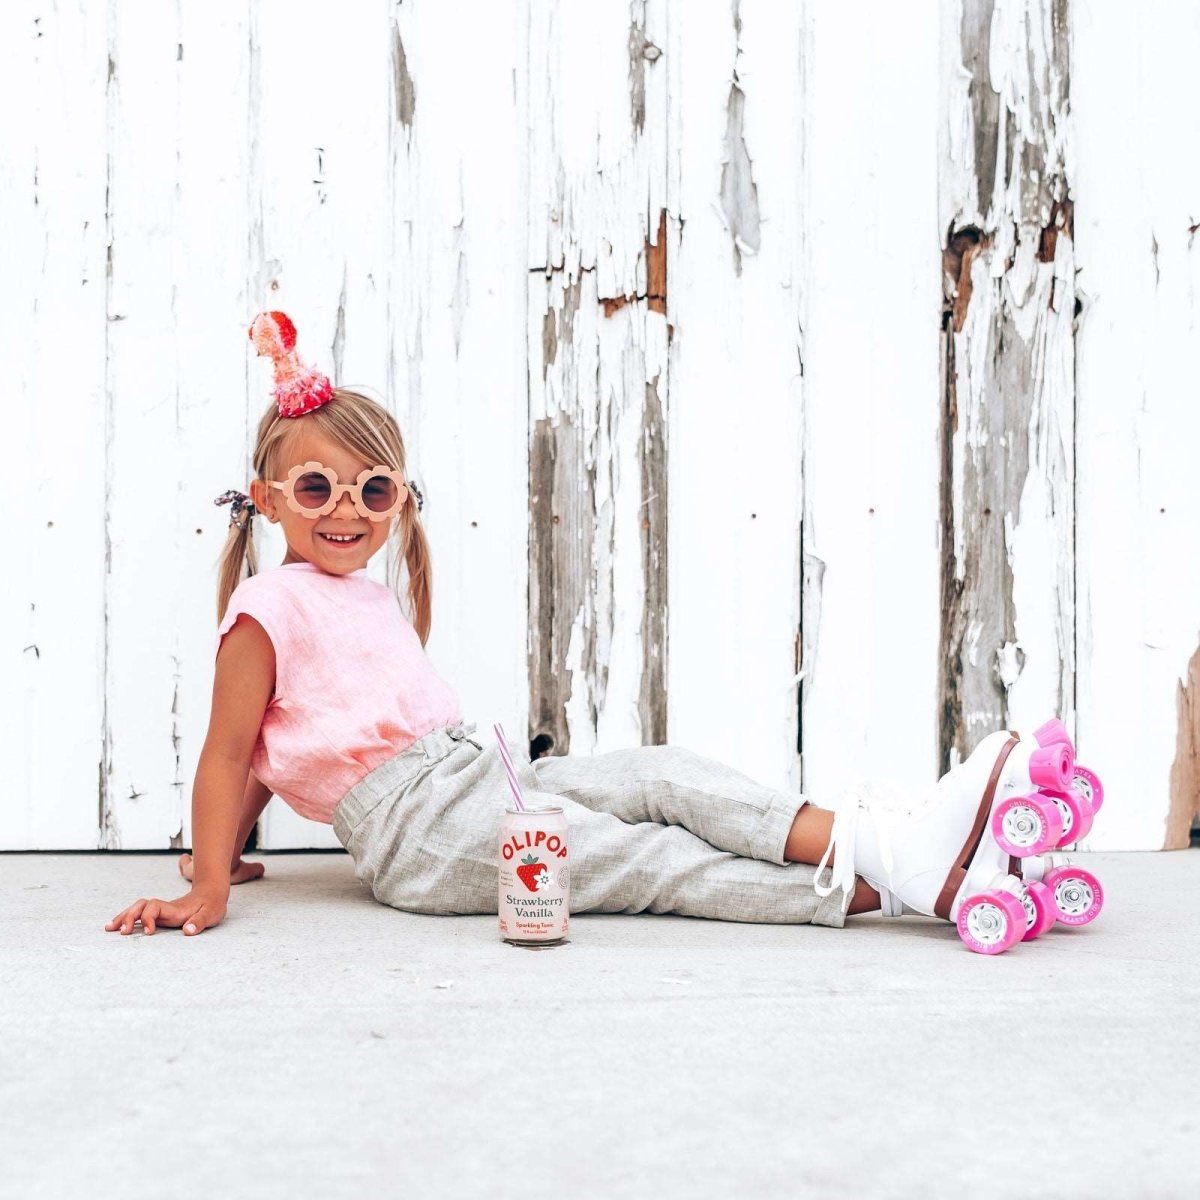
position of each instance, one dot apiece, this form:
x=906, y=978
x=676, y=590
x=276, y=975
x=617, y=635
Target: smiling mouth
x=341, y=539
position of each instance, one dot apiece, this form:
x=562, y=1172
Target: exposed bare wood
x=1184, y=809
x=598, y=387
x=1007, y=649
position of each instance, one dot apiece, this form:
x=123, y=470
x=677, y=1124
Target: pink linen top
x=353, y=686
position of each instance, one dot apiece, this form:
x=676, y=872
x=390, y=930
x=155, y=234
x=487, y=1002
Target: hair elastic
x=238, y=503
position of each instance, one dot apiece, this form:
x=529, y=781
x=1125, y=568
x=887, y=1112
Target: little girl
x=323, y=695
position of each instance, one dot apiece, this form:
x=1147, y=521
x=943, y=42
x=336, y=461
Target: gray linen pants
x=651, y=829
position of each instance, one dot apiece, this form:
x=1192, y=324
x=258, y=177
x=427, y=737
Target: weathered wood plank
x=597, y=341
x=143, y=442
x=1134, y=108
x=320, y=199
x=213, y=303
x=869, y=636
x=456, y=299
x=1004, y=197
x=735, y=369
x=52, y=607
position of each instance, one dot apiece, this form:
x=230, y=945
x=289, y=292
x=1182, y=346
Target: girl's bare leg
x=254, y=800
x=806, y=843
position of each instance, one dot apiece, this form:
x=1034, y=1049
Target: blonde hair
x=367, y=429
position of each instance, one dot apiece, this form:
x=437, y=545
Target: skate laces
x=842, y=836
x=887, y=804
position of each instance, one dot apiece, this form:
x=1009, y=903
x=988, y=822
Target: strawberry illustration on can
x=533, y=873
x=534, y=897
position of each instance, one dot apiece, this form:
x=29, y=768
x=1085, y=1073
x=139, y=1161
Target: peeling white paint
x=871, y=315
x=427, y=236
x=735, y=420
x=1139, y=425
x=1011, y=491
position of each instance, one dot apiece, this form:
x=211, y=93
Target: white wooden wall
x=780, y=377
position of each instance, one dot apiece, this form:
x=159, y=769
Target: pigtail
x=420, y=571
x=239, y=550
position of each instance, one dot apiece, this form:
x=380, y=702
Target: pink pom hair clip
x=298, y=388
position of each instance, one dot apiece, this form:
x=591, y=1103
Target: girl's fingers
x=156, y=913
x=124, y=920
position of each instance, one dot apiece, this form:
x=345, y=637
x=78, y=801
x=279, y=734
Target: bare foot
x=243, y=872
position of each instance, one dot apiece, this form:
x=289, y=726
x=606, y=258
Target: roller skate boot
x=942, y=857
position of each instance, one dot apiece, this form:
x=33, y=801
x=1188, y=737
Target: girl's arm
x=245, y=674
x=255, y=798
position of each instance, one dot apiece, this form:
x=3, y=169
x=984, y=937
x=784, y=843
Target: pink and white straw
x=509, y=768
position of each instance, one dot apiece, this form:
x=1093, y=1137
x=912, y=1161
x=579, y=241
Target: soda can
x=535, y=876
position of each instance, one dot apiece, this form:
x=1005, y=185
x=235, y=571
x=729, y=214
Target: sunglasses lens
x=311, y=490
x=379, y=493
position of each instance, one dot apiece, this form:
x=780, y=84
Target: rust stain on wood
x=656, y=268
x=656, y=276
x=1184, y=806
x=962, y=245
x=1062, y=219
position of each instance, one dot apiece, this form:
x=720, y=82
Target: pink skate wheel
x=991, y=922
x=1086, y=817
x=1026, y=825
x=1073, y=812
x=1050, y=766
x=1040, y=913
x=1078, y=896
x=1087, y=784
x=1053, y=731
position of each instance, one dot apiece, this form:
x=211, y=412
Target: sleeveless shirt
x=353, y=685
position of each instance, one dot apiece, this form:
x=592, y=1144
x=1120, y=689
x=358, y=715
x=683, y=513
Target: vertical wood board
x=871, y=422
x=1008, y=635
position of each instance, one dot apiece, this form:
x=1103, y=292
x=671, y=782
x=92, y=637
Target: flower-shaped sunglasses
x=312, y=490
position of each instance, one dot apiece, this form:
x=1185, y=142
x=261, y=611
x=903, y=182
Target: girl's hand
x=241, y=872
x=195, y=912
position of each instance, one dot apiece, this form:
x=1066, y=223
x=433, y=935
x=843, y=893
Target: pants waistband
x=387, y=778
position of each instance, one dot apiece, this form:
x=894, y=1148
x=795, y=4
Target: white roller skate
x=943, y=856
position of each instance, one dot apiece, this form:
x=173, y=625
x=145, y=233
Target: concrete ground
x=319, y=1044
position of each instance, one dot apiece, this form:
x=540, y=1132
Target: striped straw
x=508, y=766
